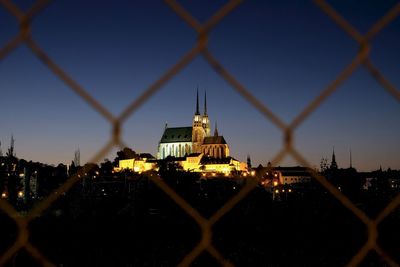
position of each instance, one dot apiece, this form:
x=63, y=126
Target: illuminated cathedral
x=196, y=139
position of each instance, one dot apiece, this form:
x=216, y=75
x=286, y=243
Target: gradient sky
x=284, y=52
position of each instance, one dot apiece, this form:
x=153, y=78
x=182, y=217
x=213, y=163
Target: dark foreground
x=134, y=223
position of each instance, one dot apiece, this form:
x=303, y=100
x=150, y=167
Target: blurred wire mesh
x=24, y=36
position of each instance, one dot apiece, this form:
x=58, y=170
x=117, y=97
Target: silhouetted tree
x=248, y=162
x=126, y=153
x=323, y=165
x=10, y=151
x=72, y=169
x=106, y=167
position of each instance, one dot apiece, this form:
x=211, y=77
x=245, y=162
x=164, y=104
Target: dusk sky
x=284, y=52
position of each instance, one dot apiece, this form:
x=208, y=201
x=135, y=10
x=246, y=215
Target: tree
x=324, y=166
x=106, y=167
x=126, y=153
x=248, y=162
x=11, y=152
x=72, y=169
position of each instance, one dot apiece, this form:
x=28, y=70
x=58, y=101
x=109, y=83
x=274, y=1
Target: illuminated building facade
x=144, y=162
x=182, y=141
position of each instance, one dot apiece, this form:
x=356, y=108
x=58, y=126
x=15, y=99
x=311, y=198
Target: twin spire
x=197, y=103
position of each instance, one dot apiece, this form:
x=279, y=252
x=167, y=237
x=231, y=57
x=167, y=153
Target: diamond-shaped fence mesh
x=361, y=59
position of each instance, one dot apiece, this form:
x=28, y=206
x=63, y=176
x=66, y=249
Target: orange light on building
x=20, y=194
x=275, y=183
x=290, y=190
x=277, y=191
x=4, y=195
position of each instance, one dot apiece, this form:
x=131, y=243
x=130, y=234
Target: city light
x=276, y=191
x=4, y=195
x=20, y=194
x=275, y=183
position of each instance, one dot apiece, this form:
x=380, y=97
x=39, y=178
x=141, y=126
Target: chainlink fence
x=24, y=36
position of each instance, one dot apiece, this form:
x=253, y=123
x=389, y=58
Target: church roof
x=177, y=134
x=214, y=140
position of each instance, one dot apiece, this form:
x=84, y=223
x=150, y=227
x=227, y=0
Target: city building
x=142, y=163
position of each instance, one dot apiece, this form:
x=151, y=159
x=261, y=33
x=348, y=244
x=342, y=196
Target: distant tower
x=1, y=151
x=77, y=158
x=206, y=120
x=198, y=132
x=333, y=162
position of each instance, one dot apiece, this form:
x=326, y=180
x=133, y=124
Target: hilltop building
x=192, y=147
x=183, y=141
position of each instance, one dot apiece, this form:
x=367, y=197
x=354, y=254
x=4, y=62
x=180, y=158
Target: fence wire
x=24, y=36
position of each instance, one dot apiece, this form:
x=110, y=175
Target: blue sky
x=284, y=53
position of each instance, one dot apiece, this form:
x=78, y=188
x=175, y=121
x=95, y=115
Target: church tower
x=198, y=132
x=334, y=165
x=206, y=120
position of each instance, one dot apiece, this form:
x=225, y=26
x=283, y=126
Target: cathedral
x=196, y=139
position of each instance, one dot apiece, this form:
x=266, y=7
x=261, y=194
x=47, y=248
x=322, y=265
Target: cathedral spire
x=197, y=103
x=205, y=102
x=216, y=130
x=333, y=162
